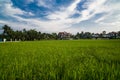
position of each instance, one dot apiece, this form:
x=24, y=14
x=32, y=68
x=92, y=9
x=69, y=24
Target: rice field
x=60, y=60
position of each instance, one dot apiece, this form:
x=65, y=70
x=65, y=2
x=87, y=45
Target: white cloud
x=9, y=10
x=73, y=6
x=44, y=3
x=86, y=14
x=62, y=21
x=93, y=8
x=64, y=12
x=112, y=19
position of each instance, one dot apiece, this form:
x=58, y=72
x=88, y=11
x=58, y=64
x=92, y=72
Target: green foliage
x=60, y=60
x=26, y=35
x=31, y=35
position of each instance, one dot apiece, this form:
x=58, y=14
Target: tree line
x=32, y=34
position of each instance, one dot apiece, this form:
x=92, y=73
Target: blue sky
x=61, y=15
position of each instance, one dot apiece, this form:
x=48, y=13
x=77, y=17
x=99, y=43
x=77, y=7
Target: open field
x=60, y=60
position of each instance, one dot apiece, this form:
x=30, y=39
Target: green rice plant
x=60, y=60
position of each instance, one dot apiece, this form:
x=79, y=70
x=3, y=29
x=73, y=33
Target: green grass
x=60, y=60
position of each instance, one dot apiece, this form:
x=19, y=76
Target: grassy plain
x=60, y=60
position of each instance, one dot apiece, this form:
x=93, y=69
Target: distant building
x=64, y=35
x=4, y=40
x=113, y=35
x=95, y=35
x=105, y=36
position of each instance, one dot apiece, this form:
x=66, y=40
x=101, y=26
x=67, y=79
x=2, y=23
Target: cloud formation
x=58, y=15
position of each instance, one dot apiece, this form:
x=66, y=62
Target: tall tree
x=8, y=32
